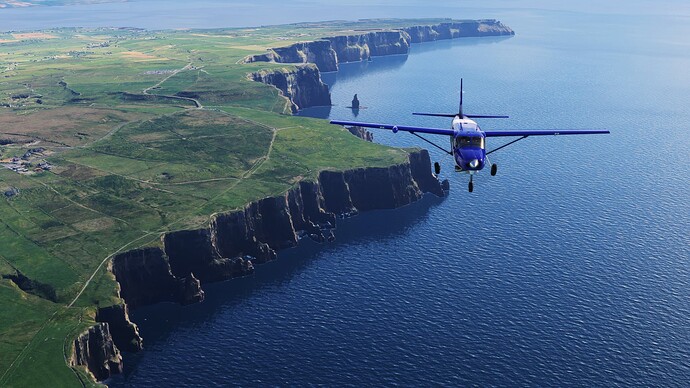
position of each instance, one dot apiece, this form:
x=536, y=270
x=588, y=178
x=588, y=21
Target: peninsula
x=139, y=165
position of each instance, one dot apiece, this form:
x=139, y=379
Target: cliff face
x=95, y=350
x=318, y=52
x=234, y=241
x=302, y=86
x=327, y=53
x=145, y=277
x=354, y=48
x=459, y=29
x=124, y=332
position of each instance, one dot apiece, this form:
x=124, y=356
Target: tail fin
x=460, y=112
x=460, y=109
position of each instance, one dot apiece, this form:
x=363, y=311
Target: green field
x=126, y=170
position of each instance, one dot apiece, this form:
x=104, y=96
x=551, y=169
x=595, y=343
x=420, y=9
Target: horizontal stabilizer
x=486, y=116
x=436, y=114
x=456, y=114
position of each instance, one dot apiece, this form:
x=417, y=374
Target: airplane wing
x=543, y=132
x=396, y=128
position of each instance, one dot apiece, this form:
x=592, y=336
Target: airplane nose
x=474, y=163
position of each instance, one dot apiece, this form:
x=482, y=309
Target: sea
x=570, y=267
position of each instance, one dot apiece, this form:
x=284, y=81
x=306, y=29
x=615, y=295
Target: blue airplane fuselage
x=468, y=144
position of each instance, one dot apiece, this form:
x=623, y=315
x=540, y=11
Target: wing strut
x=506, y=145
x=433, y=144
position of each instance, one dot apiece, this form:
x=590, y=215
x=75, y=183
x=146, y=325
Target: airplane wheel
x=437, y=168
x=494, y=168
x=470, y=187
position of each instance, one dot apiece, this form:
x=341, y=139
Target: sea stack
x=355, y=102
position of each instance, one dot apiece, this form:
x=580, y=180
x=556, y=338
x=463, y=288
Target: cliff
x=145, y=277
x=457, y=29
x=354, y=48
x=302, y=85
x=328, y=52
x=95, y=350
x=318, y=52
x=232, y=242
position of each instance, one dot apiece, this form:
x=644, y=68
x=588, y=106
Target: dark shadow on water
x=448, y=44
x=158, y=322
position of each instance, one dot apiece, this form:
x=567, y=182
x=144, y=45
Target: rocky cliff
x=328, y=52
x=457, y=29
x=124, y=332
x=95, y=350
x=234, y=241
x=354, y=48
x=303, y=86
x=318, y=52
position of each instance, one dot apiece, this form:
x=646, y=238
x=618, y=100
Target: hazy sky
x=166, y=14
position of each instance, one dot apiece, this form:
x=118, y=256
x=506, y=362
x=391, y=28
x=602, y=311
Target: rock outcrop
x=361, y=133
x=124, y=332
x=301, y=85
x=234, y=241
x=95, y=350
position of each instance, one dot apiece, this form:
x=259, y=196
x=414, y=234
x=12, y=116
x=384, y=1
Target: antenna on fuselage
x=460, y=109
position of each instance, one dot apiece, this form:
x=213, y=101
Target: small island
x=139, y=165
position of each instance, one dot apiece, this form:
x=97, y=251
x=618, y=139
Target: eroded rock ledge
x=303, y=86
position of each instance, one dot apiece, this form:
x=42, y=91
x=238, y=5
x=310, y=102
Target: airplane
x=467, y=139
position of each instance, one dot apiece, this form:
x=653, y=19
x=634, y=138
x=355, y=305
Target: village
x=30, y=163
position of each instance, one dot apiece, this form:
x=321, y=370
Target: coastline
x=187, y=259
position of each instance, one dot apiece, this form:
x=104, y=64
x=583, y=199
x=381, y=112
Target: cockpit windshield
x=469, y=141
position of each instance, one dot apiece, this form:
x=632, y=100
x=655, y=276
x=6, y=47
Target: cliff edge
x=233, y=242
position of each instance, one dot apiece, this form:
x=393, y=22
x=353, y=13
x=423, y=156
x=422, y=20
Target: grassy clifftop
x=109, y=166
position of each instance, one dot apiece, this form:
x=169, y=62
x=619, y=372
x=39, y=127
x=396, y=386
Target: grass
x=130, y=168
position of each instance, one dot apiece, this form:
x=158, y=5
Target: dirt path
x=196, y=102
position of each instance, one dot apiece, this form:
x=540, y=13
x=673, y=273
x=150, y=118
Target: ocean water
x=571, y=267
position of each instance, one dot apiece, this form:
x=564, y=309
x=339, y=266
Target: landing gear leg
x=494, y=167
x=470, y=186
x=437, y=168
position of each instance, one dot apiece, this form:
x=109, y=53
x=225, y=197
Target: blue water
x=569, y=268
